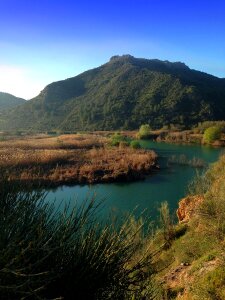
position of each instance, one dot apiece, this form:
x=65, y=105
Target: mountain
x=124, y=93
x=9, y=101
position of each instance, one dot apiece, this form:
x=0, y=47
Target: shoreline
x=48, y=184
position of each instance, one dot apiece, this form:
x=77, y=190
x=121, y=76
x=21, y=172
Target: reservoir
x=169, y=184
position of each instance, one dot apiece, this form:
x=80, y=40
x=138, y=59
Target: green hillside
x=124, y=93
x=9, y=101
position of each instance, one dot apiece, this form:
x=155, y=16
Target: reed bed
x=185, y=161
x=114, y=164
x=70, y=159
x=72, y=141
x=23, y=158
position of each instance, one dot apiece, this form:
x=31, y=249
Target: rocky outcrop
x=187, y=208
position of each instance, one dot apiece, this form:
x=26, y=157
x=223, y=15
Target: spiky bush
x=48, y=254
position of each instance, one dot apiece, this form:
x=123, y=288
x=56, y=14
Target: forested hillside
x=123, y=94
x=8, y=101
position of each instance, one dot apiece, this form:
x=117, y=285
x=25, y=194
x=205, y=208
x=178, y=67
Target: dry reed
x=69, y=159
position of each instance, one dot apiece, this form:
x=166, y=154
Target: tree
x=144, y=131
x=211, y=134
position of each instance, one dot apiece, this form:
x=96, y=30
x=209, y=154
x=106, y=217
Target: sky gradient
x=44, y=41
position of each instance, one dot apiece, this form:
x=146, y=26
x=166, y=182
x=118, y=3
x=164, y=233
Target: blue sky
x=44, y=41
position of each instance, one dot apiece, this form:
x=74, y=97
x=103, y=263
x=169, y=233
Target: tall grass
x=71, y=141
x=72, y=159
x=212, y=211
x=48, y=254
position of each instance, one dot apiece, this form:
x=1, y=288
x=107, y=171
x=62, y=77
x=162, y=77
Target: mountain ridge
x=8, y=100
x=123, y=94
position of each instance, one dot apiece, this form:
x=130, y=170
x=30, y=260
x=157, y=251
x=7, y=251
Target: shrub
x=199, y=185
x=211, y=134
x=135, y=145
x=167, y=226
x=117, y=138
x=144, y=131
x=45, y=254
x=184, y=160
x=202, y=126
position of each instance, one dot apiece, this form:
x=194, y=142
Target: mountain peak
x=125, y=57
x=155, y=64
x=124, y=93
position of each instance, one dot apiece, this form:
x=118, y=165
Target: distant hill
x=124, y=93
x=9, y=101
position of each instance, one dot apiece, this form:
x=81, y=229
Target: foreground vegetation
x=194, y=262
x=50, y=253
x=70, y=159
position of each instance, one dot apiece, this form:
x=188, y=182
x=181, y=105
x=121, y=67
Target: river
x=168, y=184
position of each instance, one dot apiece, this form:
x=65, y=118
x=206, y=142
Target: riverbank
x=186, y=137
x=188, y=257
x=174, y=136
x=192, y=264
x=71, y=159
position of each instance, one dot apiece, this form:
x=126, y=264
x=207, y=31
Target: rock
x=185, y=264
x=187, y=208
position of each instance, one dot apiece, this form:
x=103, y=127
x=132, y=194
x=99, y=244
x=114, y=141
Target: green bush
x=211, y=134
x=144, y=131
x=135, y=145
x=202, y=126
x=117, y=138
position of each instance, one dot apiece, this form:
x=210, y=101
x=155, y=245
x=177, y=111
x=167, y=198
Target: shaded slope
x=9, y=101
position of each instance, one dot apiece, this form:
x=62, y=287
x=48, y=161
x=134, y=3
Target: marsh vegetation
x=70, y=159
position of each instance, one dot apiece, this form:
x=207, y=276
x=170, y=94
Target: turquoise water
x=168, y=184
